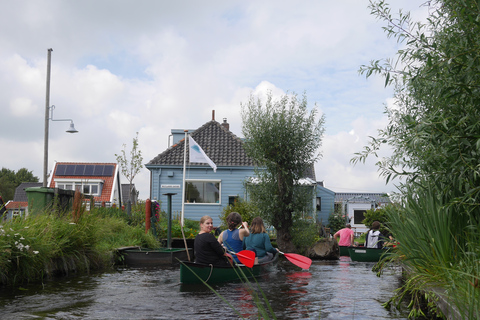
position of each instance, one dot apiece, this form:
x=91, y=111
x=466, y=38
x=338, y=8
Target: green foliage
x=305, y=234
x=283, y=138
x=190, y=228
x=336, y=221
x=43, y=245
x=440, y=246
x=433, y=130
x=246, y=209
x=130, y=167
x=10, y=180
x=378, y=214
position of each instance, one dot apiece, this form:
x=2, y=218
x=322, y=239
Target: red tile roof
x=108, y=186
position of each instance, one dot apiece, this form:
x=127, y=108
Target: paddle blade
x=246, y=257
x=299, y=260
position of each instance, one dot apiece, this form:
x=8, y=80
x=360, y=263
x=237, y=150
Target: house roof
x=21, y=194
x=219, y=144
x=362, y=197
x=16, y=205
x=82, y=171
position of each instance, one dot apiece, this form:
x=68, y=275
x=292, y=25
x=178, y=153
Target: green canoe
x=343, y=251
x=212, y=274
x=364, y=254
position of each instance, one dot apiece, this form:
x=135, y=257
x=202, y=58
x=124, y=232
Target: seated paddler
x=232, y=239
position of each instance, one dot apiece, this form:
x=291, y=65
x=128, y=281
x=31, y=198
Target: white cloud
x=121, y=67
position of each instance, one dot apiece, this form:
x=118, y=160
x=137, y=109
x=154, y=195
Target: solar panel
x=98, y=171
x=108, y=171
x=84, y=170
x=61, y=170
x=80, y=168
x=89, y=169
x=70, y=170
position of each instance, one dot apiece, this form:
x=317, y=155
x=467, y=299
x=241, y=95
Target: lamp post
x=49, y=116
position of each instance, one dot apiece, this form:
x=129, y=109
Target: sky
x=120, y=67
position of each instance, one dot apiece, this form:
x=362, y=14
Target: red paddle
x=246, y=257
x=298, y=260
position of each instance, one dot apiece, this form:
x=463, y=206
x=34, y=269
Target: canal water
x=339, y=289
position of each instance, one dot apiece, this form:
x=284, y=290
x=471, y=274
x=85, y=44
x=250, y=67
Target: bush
x=336, y=221
x=305, y=233
x=247, y=210
x=378, y=214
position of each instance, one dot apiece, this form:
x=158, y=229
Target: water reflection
x=329, y=290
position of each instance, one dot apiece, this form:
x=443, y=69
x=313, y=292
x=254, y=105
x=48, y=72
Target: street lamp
x=49, y=116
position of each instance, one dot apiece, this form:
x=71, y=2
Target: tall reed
x=439, y=245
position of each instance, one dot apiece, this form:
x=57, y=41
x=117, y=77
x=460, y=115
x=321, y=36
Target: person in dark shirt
x=207, y=248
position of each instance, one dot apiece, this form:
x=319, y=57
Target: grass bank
x=49, y=244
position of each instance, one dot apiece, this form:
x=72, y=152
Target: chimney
x=225, y=124
x=213, y=115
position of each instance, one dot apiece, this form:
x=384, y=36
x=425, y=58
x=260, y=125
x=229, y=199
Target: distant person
x=232, y=239
x=206, y=247
x=374, y=238
x=346, y=236
x=259, y=241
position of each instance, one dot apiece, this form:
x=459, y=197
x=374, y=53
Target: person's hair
x=257, y=226
x=348, y=225
x=233, y=220
x=375, y=225
x=205, y=218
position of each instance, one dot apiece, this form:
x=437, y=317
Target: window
x=91, y=187
x=232, y=200
x=358, y=216
x=202, y=191
x=319, y=204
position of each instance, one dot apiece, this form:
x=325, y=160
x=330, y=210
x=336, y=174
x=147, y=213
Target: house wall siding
x=171, y=179
x=327, y=204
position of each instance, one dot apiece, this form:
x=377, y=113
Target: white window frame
x=80, y=184
x=204, y=180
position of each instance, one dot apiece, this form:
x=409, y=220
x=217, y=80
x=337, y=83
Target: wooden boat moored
x=142, y=257
x=364, y=254
x=215, y=274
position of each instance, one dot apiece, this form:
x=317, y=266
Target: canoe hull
x=141, y=257
x=364, y=254
x=210, y=274
x=344, y=251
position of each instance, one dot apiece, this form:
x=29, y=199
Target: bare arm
x=244, y=232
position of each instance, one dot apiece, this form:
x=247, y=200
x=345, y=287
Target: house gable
x=98, y=179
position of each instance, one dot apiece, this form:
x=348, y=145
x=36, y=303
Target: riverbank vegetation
x=48, y=244
x=433, y=132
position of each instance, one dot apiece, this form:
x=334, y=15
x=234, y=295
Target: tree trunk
x=284, y=241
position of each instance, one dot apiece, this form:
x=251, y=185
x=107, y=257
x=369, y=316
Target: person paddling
x=232, y=239
x=207, y=249
x=259, y=241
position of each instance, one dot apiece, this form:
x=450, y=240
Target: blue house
x=209, y=192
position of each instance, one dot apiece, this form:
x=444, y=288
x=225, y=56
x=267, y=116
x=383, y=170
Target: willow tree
x=283, y=137
x=433, y=128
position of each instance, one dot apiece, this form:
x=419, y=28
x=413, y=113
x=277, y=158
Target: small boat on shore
x=142, y=257
x=364, y=254
x=191, y=272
